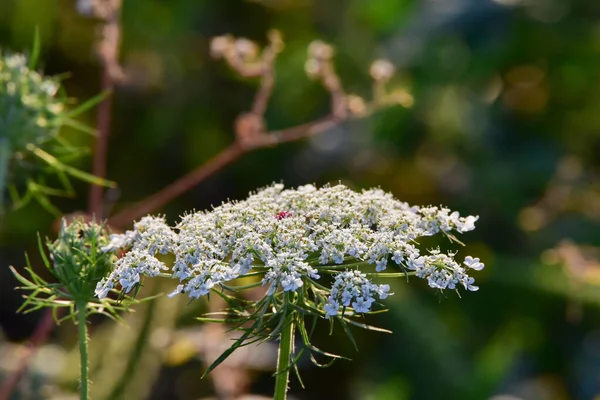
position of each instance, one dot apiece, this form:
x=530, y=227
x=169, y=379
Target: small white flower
x=103, y=288
x=383, y=291
x=473, y=263
x=177, y=290
x=352, y=288
x=331, y=309
x=362, y=305
x=468, y=284
x=466, y=224
x=119, y=241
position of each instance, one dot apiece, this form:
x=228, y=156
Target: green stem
x=4, y=159
x=355, y=264
x=283, y=360
x=391, y=274
x=83, y=350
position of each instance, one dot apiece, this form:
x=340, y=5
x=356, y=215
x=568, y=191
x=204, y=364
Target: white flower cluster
x=442, y=272
x=352, y=288
x=290, y=235
x=150, y=235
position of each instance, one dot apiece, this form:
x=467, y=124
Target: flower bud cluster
x=382, y=70
x=77, y=260
x=320, y=55
x=228, y=46
x=29, y=103
x=293, y=236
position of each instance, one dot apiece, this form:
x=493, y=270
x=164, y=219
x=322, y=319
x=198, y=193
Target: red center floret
x=283, y=214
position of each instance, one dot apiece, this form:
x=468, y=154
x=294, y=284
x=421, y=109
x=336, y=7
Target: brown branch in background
x=261, y=100
x=242, y=56
x=108, y=52
x=319, y=66
x=569, y=190
x=582, y=266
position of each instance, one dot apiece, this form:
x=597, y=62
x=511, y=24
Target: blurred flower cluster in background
x=489, y=107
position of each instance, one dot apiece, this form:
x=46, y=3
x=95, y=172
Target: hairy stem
x=4, y=160
x=283, y=360
x=83, y=351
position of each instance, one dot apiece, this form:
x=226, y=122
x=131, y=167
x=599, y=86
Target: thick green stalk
x=83, y=351
x=283, y=360
x=4, y=160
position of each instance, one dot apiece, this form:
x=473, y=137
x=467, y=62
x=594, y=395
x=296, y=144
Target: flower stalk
x=83, y=350
x=286, y=348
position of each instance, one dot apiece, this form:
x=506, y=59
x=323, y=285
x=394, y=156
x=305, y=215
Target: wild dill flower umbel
x=292, y=238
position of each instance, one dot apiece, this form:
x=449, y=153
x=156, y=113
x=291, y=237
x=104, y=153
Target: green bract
x=77, y=264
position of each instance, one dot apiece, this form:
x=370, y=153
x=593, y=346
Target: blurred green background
x=505, y=125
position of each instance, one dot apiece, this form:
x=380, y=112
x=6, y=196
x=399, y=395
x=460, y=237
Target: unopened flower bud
x=313, y=68
x=356, y=105
x=382, y=70
x=219, y=45
x=246, y=49
x=320, y=50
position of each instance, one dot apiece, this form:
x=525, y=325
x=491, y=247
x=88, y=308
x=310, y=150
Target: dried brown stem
x=333, y=85
x=249, y=126
x=108, y=52
x=261, y=100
